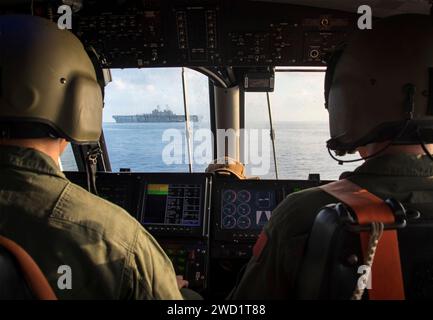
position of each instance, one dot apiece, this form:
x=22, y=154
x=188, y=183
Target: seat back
x=333, y=257
x=12, y=283
x=20, y=276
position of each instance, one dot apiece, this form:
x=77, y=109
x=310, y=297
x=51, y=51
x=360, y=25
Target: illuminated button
x=324, y=22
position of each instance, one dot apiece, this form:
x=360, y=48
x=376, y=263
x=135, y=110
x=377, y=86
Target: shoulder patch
x=260, y=244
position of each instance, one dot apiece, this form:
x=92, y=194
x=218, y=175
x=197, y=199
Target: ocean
x=300, y=148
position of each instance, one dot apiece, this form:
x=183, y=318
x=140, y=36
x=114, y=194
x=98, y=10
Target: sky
x=297, y=96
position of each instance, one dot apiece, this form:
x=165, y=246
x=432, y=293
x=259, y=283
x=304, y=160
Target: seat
x=333, y=255
x=20, y=277
x=12, y=283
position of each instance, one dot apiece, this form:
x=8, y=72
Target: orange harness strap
x=35, y=278
x=387, y=279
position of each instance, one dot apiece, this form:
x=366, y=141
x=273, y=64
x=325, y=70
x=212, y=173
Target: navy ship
x=156, y=116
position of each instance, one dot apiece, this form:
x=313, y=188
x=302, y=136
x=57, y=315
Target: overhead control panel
x=197, y=34
x=172, y=33
x=128, y=39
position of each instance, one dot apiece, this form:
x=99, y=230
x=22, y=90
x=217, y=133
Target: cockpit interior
x=206, y=217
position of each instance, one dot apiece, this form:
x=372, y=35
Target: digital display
x=172, y=204
x=246, y=209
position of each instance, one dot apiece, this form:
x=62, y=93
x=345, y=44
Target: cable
x=341, y=162
x=211, y=75
x=187, y=124
x=272, y=135
x=423, y=146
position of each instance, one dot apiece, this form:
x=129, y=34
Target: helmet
x=48, y=85
x=379, y=85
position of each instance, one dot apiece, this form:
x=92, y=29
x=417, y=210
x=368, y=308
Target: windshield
x=144, y=119
x=301, y=128
x=145, y=129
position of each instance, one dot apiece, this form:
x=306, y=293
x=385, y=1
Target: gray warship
x=156, y=116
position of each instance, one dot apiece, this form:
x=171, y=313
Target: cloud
x=142, y=90
x=150, y=88
x=297, y=96
x=119, y=84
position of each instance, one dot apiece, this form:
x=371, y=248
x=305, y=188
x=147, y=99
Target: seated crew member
x=49, y=95
x=377, y=93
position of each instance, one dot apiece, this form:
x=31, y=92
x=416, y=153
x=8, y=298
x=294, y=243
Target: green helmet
x=379, y=86
x=48, y=85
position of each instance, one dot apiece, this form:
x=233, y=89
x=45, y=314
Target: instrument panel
x=195, y=204
x=173, y=33
x=242, y=208
x=198, y=220
x=165, y=204
x=174, y=208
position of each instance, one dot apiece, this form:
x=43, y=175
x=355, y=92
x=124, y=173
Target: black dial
x=244, y=209
x=244, y=222
x=244, y=196
x=229, y=222
x=229, y=196
x=229, y=209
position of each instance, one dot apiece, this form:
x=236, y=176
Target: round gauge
x=229, y=222
x=229, y=209
x=229, y=196
x=244, y=196
x=244, y=222
x=244, y=209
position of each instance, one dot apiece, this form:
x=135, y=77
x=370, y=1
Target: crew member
x=88, y=248
x=378, y=91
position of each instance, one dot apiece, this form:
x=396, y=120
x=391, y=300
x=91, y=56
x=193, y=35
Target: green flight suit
x=273, y=273
x=110, y=255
